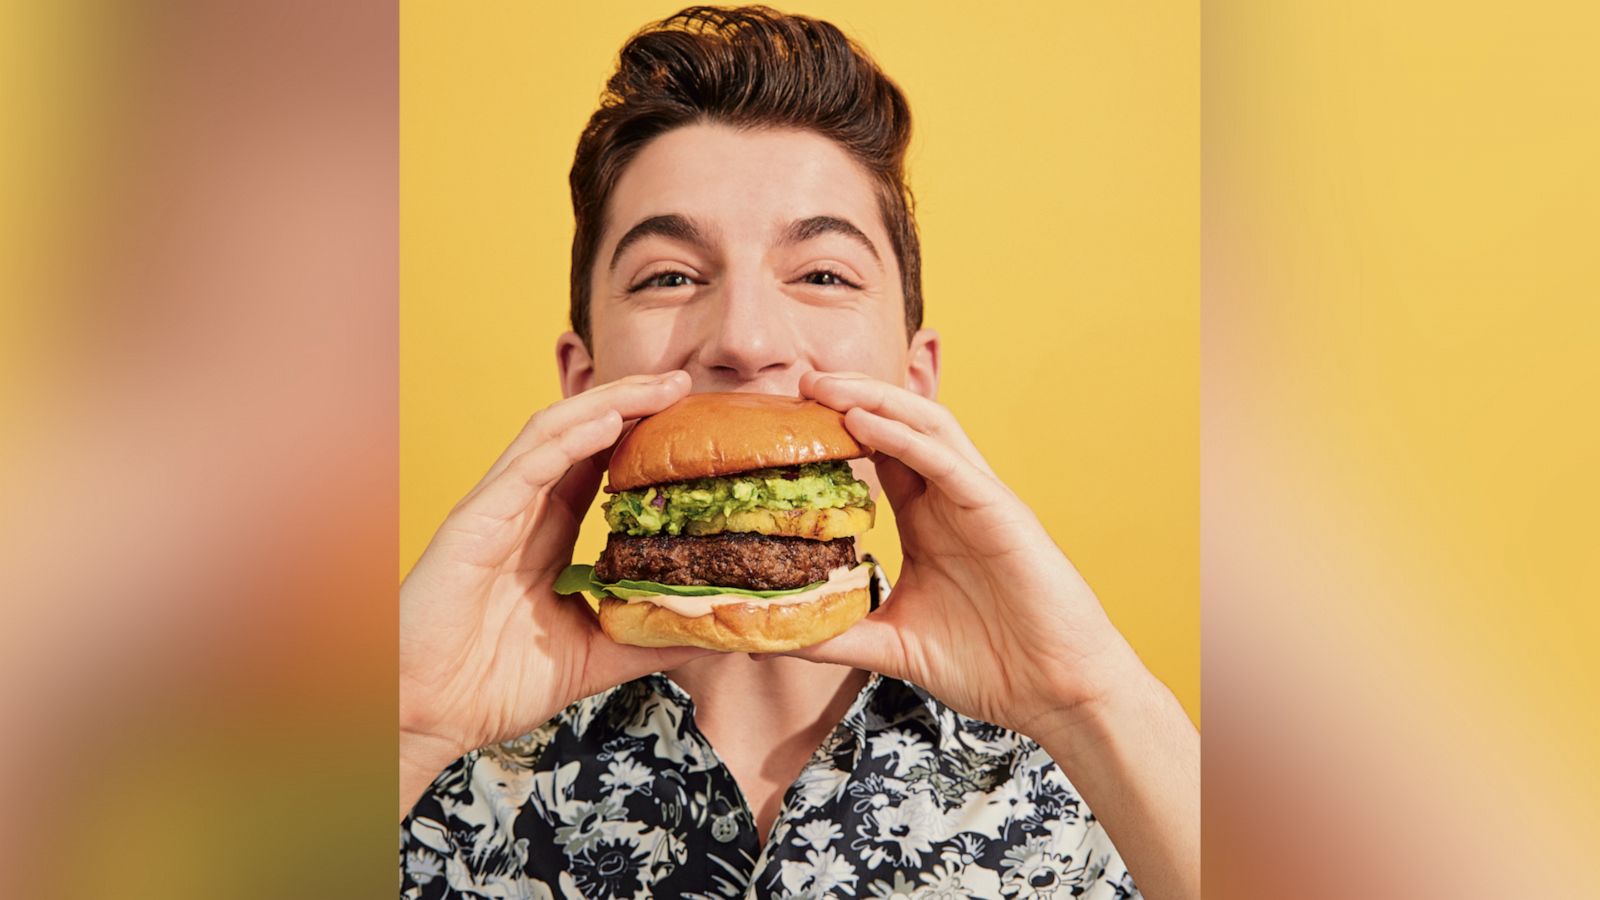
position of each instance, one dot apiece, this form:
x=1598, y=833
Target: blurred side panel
x=198, y=450
x=1401, y=360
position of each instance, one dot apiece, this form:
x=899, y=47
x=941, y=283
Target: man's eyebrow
x=806, y=229
x=672, y=225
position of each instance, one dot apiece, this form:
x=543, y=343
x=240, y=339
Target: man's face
x=746, y=258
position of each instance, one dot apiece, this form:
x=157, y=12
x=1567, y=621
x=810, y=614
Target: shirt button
x=724, y=828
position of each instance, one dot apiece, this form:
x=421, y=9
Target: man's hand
x=487, y=650
x=987, y=613
x=990, y=617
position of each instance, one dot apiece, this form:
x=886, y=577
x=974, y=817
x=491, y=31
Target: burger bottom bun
x=735, y=627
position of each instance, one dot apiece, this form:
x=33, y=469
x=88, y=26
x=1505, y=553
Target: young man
x=743, y=224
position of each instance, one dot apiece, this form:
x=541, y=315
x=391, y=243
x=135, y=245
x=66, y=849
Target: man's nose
x=750, y=336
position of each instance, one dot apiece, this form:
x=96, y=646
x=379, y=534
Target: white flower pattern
x=904, y=748
x=901, y=833
x=627, y=776
x=817, y=834
x=822, y=874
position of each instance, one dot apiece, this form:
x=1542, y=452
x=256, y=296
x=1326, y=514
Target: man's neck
x=776, y=699
x=766, y=718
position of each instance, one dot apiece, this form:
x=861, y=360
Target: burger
x=732, y=522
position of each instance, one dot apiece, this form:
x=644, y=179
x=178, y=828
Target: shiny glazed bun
x=705, y=435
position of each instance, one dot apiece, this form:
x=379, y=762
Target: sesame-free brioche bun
x=705, y=435
x=736, y=628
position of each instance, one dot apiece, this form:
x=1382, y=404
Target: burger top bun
x=704, y=435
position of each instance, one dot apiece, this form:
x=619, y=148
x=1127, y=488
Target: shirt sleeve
x=427, y=845
x=457, y=839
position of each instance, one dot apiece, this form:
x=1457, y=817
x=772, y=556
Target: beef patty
x=755, y=562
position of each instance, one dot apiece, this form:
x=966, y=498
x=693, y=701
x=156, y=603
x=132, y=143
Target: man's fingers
x=516, y=488
x=551, y=544
x=631, y=398
x=938, y=464
x=844, y=390
x=872, y=644
x=611, y=663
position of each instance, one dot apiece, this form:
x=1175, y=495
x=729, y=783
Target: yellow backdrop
x=1056, y=166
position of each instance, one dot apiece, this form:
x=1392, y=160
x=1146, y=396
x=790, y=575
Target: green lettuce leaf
x=578, y=579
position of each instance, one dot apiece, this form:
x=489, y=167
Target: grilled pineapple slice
x=816, y=524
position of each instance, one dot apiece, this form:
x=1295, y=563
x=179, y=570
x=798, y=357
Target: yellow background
x=1056, y=165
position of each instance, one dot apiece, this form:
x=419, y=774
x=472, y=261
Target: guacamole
x=668, y=508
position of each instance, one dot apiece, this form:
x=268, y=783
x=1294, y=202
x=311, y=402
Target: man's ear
x=574, y=364
x=922, y=364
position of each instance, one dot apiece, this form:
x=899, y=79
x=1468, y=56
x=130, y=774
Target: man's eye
x=826, y=278
x=663, y=280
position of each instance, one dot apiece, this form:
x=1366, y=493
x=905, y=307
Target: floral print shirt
x=622, y=796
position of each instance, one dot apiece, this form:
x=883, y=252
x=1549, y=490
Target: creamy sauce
x=840, y=579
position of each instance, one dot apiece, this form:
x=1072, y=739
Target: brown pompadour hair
x=748, y=67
